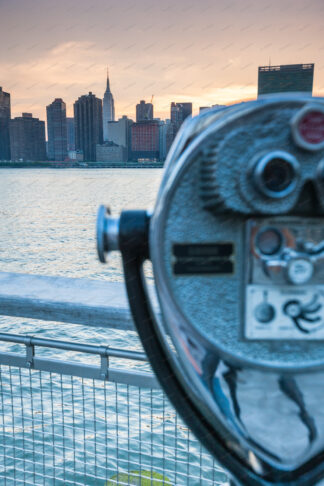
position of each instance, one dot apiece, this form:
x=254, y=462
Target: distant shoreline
x=82, y=165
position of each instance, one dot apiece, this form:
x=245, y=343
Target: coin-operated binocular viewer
x=236, y=242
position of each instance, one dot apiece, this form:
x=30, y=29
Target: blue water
x=48, y=217
x=48, y=227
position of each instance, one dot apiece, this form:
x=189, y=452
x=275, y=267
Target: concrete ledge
x=77, y=301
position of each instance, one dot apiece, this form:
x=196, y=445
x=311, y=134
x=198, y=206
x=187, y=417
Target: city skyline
x=167, y=114
x=98, y=137
x=206, y=54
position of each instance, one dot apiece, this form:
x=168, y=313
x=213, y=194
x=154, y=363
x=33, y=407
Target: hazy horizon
x=207, y=53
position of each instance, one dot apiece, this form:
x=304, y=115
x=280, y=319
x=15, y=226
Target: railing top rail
x=60, y=299
x=76, y=301
x=68, y=346
x=73, y=368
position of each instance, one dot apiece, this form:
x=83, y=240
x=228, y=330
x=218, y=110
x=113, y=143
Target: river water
x=48, y=217
x=48, y=228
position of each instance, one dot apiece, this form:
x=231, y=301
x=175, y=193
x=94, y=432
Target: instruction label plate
x=284, y=312
x=203, y=258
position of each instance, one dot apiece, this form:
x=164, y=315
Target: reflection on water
x=48, y=217
x=48, y=227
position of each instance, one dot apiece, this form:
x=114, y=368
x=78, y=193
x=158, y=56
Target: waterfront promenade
x=81, y=165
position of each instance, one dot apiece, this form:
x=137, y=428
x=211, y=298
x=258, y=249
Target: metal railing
x=90, y=420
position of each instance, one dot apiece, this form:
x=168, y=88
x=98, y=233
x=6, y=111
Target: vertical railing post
x=104, y=364
x=30, y=353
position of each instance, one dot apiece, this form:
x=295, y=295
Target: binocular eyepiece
x=276, y=174
x=236, y=241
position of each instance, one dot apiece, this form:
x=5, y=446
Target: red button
x=311, y=127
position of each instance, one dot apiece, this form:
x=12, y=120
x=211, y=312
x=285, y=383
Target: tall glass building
x=5, y=114
x=286, y=78
x=56, y=130
x=70, y=133
x=179, y=112
x=88, y=125
x=27, y=138
x=144, y=111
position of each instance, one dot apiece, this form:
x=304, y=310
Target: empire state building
x=108, y=110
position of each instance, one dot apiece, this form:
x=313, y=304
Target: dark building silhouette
x=88, y=125
x=179, y=112
x=27, y=138
x=70, y=133
x=5, y=115
x=56, y=130
x=169, y=136
x=286, y=78
x=204, y=108
x=144, y=111
x=145, y=136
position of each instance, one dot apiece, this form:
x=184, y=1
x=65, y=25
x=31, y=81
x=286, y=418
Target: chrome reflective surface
x=263, y=397
x=107, y=233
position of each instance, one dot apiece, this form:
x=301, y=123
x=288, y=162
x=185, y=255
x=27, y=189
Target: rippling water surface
x=48, y=217
x=48, y=228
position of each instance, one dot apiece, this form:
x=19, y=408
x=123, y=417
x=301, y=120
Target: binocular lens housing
x=276, y=174
x=269, y=241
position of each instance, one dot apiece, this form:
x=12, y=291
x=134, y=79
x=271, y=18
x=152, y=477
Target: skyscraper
x=286, y=78
x=4, y=125
x=56, y=130
x=169, y=136
x=88, y=125
x=146, y=140
x=144, y=111
x=179, y=112
x=120, y=133
x=108, y=109
x=165, y=132
x=27, y=138
x=70, y=133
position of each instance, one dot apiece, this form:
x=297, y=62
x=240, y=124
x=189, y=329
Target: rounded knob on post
x=107, y=233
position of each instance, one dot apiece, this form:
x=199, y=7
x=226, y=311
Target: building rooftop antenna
x=108, y=83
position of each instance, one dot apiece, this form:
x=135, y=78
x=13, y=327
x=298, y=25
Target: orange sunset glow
x=206, y=52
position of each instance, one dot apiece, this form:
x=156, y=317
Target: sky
x=206, y=51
